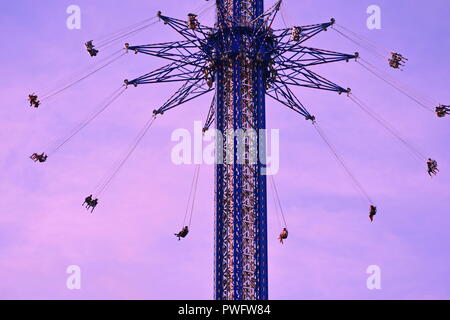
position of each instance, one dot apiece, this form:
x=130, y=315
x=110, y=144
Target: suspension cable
x=130, y=151
x=49, y=88
x=116, y=94
x=284, y=14
x=397, y=83
x=71, y=84
x=277, y=197
x=189, y=207
x=105, y=38
x=367, y=40
x=202, y=7
x=358, y=43
x=342, y=162
x=206, y=9
x=189, y=198
x=387, y=126
x=275, y=204
x=131, y=33
x=194, y=195
x=370, y=68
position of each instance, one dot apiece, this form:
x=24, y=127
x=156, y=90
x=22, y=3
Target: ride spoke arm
x=303, y=77
x=169, y=50
x=299, y=57
x=281, y=93
x=190, y=90
x=173, y=72
x=196, y=37
x=284, y=36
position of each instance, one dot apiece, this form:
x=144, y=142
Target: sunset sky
x=126, y=249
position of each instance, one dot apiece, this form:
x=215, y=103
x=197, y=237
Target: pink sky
x=126, y=249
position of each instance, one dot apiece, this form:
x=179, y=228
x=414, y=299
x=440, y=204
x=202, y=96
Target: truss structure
x=243, y=59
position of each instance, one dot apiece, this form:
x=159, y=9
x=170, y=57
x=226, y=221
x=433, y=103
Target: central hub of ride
x=250, y=46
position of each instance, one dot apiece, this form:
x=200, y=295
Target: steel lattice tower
x=241, y=212
x=243, y=59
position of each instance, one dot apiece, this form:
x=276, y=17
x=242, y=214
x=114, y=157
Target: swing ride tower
x=242, y=59
x=240, y=183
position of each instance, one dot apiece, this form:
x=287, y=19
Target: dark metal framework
x=243, y=59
